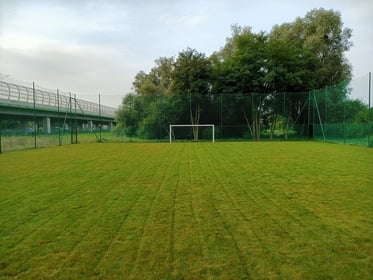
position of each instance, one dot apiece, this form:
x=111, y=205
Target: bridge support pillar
x=90, y=125
x=111, y=126
x=47, y=125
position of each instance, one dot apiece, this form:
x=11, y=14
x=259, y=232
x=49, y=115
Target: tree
x=251, y=75
x=321, y=41
x=308, y=54
x=240, y=69
x=191, y=77
x=356, y=111
x=128, y=116
x=157, y=81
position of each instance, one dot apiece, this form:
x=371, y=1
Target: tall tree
x=250, y=74
x=128, y=116
x=322, y=42
x=157, y=81
x=191, y=77
x=240, y=69
x=308, y=54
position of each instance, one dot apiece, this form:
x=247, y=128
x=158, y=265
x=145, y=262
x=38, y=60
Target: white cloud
x=99, y=46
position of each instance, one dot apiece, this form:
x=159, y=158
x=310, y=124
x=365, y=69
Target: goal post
x=193, y=125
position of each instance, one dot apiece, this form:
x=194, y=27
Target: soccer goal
x=172, y=126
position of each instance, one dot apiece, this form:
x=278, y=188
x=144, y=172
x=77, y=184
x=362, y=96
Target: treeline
x=244, y=83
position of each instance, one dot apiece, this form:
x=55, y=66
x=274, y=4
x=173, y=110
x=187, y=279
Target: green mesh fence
x=253, y=116
x=337, y=114
x=342, y=113
x=12, y=139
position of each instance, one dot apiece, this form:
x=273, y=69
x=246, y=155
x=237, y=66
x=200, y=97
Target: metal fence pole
x=313, y=112
x=326, y=127
x=99, y=113
x=131, y=128
x=160, y=117
x=344, y=119
x=35, y=126
x=309, y=116
x=75, y=122
x=221, y=114
x=59, y=119
x=1, y=86
x=321, y=124
x=284, y=114
x=369, y=123
x=71, y=120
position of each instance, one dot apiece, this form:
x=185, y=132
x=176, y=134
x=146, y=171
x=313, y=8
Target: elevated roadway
x=49, y=109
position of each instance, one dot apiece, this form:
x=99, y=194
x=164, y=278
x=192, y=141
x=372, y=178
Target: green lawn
x=187, y=210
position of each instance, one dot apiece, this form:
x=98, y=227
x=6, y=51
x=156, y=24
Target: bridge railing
x=16, y=95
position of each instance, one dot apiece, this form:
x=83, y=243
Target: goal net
x=192, y=132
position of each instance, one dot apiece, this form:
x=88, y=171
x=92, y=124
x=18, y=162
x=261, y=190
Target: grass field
x=187, y=211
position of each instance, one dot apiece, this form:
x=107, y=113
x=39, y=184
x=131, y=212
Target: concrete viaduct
x=47, y=110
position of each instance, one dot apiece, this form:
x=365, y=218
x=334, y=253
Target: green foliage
x=7, y=124
x=160, y=113
x=157, y=81
x=242, y=72
x=335, y=106
x=191, y=74
x=321, y=41
x=187, y=211
x=356, y=111
x=128, y=115
x=295, y=57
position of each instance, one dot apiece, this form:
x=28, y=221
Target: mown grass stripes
x=187, y=210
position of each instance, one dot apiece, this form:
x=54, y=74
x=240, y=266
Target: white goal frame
x=193, y=125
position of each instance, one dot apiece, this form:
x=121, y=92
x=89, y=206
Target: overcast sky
x=91, y=47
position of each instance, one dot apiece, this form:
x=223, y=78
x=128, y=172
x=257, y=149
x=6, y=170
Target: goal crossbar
x=193, y=125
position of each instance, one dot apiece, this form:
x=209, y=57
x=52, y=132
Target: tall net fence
x=343, y=113
x=34, y=117
x=337, y=113
x=13, y=139
x=340, y=113
x=253, y=116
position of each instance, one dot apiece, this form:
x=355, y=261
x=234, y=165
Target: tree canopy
x=306, y=54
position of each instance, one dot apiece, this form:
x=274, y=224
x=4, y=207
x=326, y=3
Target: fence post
x=71, y=120
x=131, y=128
x=321, y=124
x=221, y=115
x=326, y=128
x=75, y=122
x=99, y=114
x=59, y=119
x=35, y=126
x=309, y=117
x=344, y=119
x=160, y=117
x=285, y=116
x=369, y=123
